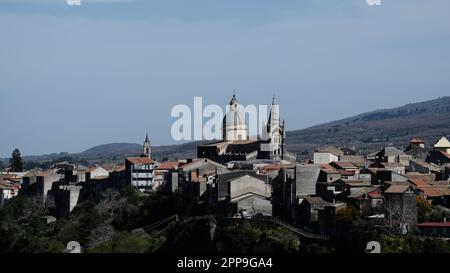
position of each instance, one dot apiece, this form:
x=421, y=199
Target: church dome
x=233, y=118
x=233, y=100
x=234, y=127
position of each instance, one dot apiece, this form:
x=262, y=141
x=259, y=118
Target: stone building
x=236, y=144
x=292, y=184
x=317, y=215
x=194, y=178
x=242, y=192
x=66, y=198
x=400, y=208
x=327, y=154
x=8, y=190
x=139, y=173
x=417, y=149
x=40, y=183
x=392, y=155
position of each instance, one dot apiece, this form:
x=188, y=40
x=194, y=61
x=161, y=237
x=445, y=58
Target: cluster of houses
x=236, y=176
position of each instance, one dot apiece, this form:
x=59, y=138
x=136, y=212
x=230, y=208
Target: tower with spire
x=275, y=130
x=147, y=147
x=236, y=144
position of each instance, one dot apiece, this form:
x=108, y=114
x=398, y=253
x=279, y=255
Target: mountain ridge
x=366, y=132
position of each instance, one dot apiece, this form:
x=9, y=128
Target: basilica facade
x=236, y=144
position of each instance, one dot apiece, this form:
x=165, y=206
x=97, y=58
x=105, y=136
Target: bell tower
x=275, y=129
x=147, y=147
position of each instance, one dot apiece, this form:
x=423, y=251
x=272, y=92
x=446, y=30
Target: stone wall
x=306, y=179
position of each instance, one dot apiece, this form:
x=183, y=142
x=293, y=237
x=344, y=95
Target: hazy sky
x=110, y=70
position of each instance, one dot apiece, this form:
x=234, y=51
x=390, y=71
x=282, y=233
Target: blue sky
x=110, y=70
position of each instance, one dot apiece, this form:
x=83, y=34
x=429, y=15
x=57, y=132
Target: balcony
x=142, y=175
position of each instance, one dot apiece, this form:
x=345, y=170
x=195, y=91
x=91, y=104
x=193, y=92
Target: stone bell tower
x=147, y=147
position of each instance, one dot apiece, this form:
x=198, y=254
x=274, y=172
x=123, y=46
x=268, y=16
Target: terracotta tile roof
x=9, y=185
x=417, y=141
x=272, y=167
x=344, y=165
x=435, y=191
x=326, y=166
x=140, y=160
x=397, y=189
x=119, y=168
x=169, y=165
x=345, y=172
x=419, y=181
x=333, y=171
x=375, y=194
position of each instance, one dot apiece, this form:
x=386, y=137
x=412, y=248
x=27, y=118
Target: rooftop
x=169, y=165
x=373, y=192
x=417, y=141
x=140, y=160
x=344, y=165
x=389, y=151
x=330, y=149
x=358, y=183
x=397, y=189
x=317, y=202
x=442, y=143
x=435, y=191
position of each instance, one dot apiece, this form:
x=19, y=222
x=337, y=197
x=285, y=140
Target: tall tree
x=16, y=161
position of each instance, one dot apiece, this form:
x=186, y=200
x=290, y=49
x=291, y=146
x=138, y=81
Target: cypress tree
x=16, y=161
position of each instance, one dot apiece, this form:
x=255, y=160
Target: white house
x=443, y=145
x=7, y=191
x=97, y=172
x=327, y=154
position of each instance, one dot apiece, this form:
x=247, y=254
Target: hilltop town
x=317, y=200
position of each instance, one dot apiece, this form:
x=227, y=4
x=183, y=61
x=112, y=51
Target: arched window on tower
x=276, y=139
